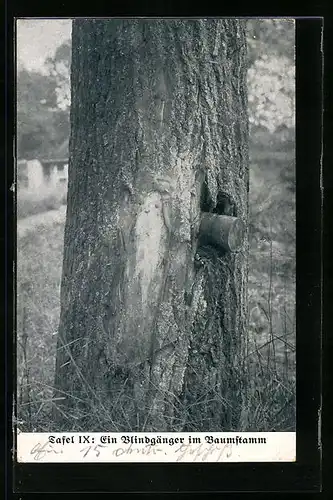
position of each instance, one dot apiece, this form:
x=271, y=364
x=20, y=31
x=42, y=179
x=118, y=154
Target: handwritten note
x=184, y=453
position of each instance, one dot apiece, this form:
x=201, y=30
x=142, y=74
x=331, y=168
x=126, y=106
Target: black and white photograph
x=156, y=225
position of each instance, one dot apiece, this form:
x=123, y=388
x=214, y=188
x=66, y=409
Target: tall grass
x=269, y=360
x=266, y=376
x=39, y=265
x=35, y=201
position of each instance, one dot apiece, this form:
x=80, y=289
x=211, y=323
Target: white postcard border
x=173, y=447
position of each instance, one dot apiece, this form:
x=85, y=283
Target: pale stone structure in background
x=36, y=174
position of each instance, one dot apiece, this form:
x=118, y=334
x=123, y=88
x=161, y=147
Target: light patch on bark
x=149, y=232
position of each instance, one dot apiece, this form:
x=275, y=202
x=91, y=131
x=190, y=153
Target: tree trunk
x=152, y=314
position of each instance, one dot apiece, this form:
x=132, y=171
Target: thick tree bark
x=152, y=315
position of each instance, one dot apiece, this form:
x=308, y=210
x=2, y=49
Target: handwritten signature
x=41, y=450
x=201, y=452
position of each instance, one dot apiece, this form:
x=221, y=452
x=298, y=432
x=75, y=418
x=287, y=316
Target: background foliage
x=268, y=371
x=43, y=102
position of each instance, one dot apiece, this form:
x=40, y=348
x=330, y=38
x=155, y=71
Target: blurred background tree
x=59, y=68
x=271, y=80
x=276, y=34
x=272, y=259
x=43, y=102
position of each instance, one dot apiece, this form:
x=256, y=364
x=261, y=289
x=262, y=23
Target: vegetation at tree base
x=267, y=374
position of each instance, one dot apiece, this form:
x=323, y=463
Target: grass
x=270, y=357
x=31, y=202
x=266, y=375
x=38, y=291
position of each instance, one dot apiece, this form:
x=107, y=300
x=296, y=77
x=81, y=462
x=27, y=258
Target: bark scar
x=166, y=217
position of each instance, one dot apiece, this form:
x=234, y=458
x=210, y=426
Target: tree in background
x=272, y=332
x=271, y=85
x=276, y=35
x=59, y=68
x=42, y=119
x=271, y=79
